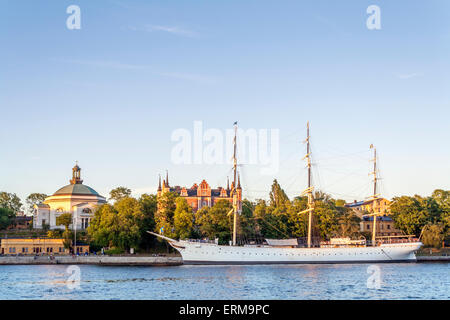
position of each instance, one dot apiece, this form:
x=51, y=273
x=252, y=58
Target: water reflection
x=399, y=281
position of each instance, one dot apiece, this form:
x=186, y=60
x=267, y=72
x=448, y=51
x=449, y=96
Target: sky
x=111, y=94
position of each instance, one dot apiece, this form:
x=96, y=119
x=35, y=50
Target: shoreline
x=130, y=260
x=93, y=260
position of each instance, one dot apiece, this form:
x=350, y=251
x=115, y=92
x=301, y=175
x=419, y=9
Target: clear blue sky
x=110, y=95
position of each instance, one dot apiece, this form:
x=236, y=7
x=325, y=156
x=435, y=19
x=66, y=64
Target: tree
x=6, y=217
x=149, y=205
x=131, y=217
x=65, y=220
x=247, y=222
x=119, y=225
x=10, y=201
x=216, y=222
x=278, y=197
x=433, y=235
x=103, y=227
x=165, y=213
x=348, y=223
x=55, y=234
x=183, y=219
x=298, y=223
x=34, y=198
x=410, y=214
x=119, y=193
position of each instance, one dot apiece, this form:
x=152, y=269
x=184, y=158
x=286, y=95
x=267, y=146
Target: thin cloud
x=408, y=76
x=168, y=29
x=106, y=64
x=188, y=76
x=126, y=66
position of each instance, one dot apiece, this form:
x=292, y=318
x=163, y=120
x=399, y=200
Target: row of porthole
x=298, y=254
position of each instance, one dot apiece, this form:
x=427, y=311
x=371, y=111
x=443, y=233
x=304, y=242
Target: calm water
x=399, y=281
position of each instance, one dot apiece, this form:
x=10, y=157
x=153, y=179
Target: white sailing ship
x=287, y=251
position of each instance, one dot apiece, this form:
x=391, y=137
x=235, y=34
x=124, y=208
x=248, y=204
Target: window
x=368, y=226
x=87, y=210
x=389, y=226
x=12, y=250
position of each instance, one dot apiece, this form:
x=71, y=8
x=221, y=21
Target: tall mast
x=375, y=195
x=235, y=199
x=309, y=190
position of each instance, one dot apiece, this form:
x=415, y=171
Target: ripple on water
x=399, y=281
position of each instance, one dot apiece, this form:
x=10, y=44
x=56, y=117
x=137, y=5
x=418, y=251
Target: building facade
x=370, y=206
x=38, y=246
x=385, y=225
x=76, y=198
x=202, y=195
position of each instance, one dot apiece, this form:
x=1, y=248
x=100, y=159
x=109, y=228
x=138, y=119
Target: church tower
x=76, y=175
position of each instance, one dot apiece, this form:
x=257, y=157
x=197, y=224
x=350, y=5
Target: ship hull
x=205, y=253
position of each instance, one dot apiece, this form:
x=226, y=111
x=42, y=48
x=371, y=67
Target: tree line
x=123, y=221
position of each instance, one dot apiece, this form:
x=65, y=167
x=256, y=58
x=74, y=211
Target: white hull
x=207, y=253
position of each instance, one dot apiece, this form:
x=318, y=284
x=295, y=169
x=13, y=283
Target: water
x=399, y=281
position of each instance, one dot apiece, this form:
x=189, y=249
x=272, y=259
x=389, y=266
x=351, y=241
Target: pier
x=93, y=260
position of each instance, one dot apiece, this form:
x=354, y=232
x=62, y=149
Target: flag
x=235, y=123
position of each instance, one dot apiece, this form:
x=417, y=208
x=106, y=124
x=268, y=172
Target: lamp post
x=75, y=235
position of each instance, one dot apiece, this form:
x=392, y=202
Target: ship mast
x=309, y=190
x=234, y=193
x=375, y=195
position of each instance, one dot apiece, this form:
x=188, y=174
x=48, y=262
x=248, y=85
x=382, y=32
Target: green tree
x=119, y=193
x=65, y=220
x=10, y=201
x=104, y=226
x=55, y=234
x=119, y=225
x=216, y=222
x=410, y=214
x=247, y=223
x=34, y=198
x=433, y=235
x=348, y=223
x=278, y=197
x=164, y=215
x=298, y=222
x=149, y=205
x=183, y=219
x=6, y=217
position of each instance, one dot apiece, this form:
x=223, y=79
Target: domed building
x=76, y=198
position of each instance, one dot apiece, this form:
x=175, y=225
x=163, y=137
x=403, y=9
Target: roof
x=354, y=204
x=379, y=218
x=42, y=205
x=77, y=189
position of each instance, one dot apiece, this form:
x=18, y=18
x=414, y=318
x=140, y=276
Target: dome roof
x=76, y=189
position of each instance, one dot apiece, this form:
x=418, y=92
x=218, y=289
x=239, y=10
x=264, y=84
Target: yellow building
x=38, y=246
x=380, y=205
x=76, y=198
x=385, y=226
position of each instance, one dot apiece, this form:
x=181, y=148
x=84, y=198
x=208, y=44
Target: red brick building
x=202, y=195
